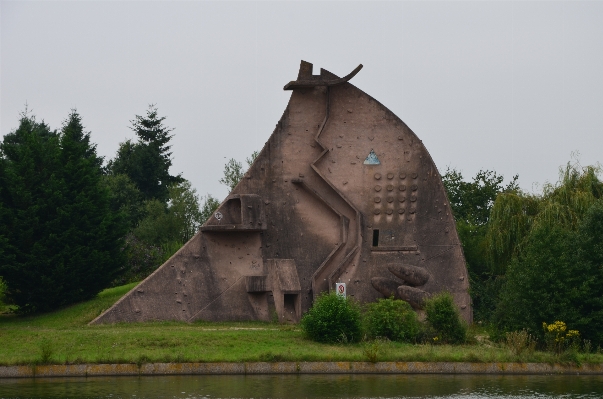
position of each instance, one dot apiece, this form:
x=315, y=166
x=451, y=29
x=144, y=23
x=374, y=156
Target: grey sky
x=513, y=87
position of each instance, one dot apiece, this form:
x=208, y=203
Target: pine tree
x=65, y=243
x=31, y=197
x=147, y=162
x=6, y=250
x=89, y=235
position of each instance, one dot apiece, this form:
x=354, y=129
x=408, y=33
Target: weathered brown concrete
x=343, y=191
x=90, y=370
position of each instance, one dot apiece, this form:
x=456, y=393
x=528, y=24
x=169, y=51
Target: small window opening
x=376, y=238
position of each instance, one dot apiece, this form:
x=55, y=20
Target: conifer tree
x=64, y=243
x=147, y=162
x=6, y=251
x=89, y=235
x=31, y=197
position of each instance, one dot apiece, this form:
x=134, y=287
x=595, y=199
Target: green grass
x=63, y=337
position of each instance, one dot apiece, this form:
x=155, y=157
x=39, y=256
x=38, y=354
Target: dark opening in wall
x=232, y=211
x=376, y=238
x=289, y=305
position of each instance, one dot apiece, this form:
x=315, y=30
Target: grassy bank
x=63, y=337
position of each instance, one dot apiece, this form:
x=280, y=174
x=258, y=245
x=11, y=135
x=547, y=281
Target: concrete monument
x=343, y=191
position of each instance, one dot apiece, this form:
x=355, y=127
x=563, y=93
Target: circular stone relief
x=401, y=198
x=414, y=187
x=389, y=211
x=377, y=211
x=413, y=198
x=377, y=176
x=402, y=187
x=377, y=200
x=402, y=175
x=377, y=188
x=390, y=199
x=401, y=211
x=390, y=187
x=414, y=175
x=390, y=176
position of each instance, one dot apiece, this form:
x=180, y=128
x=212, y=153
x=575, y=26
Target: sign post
x=340, y=289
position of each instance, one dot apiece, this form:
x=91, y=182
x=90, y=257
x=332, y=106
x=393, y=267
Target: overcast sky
x=513, y=87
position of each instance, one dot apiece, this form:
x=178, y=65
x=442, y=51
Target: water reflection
x=307, y=386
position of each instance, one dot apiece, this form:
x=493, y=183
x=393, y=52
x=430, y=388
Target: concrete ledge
x=87, y=370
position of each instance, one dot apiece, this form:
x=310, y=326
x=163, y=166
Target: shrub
x=332, y=319
x=557, y=337
x=46, y=351
x=392, y=319
x=444, y=318
x=374, y=349
x=519, y=342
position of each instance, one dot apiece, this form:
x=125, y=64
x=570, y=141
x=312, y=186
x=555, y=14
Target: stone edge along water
x=148, y=369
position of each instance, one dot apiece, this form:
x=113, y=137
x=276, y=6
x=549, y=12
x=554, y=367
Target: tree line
x=533, y=258
x=72, y=224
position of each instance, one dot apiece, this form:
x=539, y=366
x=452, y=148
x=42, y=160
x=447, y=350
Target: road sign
x=340, y=289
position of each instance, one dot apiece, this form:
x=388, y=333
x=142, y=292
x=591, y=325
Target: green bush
x=444, y=318
x=392, y=319
x=332, y=319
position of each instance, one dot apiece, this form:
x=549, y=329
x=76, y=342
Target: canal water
x=308, y=386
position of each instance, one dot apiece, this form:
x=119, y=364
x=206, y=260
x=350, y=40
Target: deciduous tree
x=233, y=171
x=210, y=204
x=176, y=222
x=552, y=243
x=471, y=203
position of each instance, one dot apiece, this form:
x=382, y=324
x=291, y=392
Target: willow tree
x=515, y=214
x=549, y=248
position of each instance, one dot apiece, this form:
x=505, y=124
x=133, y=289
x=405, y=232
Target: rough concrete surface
x=342, y=192
x=88, y=370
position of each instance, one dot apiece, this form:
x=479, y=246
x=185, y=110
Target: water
x=308, y=386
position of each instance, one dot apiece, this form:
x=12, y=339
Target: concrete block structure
x=343, y=191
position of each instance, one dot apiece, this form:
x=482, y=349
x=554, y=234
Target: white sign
x=340, y=289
